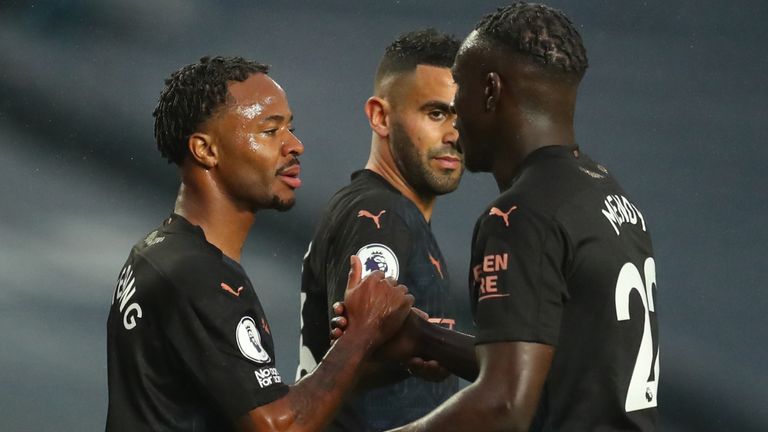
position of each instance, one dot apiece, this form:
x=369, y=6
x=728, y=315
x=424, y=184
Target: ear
x=492, y=91
x=377, y=111
x=203, y=150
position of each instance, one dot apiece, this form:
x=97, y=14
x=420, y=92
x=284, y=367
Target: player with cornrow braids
x=542, y=33
x=562, y=275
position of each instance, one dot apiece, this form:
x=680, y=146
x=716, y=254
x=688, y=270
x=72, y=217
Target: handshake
x=378, y=314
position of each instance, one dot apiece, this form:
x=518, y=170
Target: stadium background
x=674, y=103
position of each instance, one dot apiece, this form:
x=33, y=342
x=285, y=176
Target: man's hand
x=339, y=322
x=428, y=370
x=376, y=306
x=400, y=346
x=404, y=344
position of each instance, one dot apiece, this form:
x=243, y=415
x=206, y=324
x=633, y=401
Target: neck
x=537, y=132
x=381, y=162
x=225, y=226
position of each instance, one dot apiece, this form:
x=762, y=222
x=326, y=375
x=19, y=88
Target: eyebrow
x=277, y=118
x=440, y=105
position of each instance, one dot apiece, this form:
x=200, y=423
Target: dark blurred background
x=674, y=102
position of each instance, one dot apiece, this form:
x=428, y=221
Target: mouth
x=290, y=174
x=448, y=162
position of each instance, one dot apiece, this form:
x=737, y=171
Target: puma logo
x=366, y=213
x=229, y=289
x=436, y=263
x=496, y=212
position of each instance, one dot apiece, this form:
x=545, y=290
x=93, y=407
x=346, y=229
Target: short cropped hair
x=191, y=96
x=540, y=32
x=422, y=47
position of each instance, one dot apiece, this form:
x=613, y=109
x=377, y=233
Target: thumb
x=355, y=271
x=420, y=313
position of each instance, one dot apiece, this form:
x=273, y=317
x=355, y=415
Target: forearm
x=503, y=398
x=311, y=403
x=380, y=373
x=454, y=351
x=471, y=409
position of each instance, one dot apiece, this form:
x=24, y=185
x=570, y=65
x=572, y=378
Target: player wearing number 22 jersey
x=563, y=257
x=562, y=276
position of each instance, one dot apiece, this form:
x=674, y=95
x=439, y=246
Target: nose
x=451, y=135
x=292, y=145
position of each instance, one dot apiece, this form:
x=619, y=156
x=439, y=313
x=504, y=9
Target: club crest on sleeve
x=376, y=256
x=249, y=341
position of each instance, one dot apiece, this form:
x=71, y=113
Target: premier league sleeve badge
x=377, y=256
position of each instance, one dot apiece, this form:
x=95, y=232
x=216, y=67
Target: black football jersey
x=373, y=220
x=188, y=344
x=563, y=258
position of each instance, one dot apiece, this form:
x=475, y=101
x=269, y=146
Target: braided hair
x=542, y=33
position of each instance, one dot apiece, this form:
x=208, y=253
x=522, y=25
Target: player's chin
x=446, y=182
x=283, y=202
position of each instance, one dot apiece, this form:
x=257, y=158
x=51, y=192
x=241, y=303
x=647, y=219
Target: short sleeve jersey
x=563, y=257
x=371, y=219
x=188, y=344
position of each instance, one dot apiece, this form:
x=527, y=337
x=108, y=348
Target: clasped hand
x=401, y=343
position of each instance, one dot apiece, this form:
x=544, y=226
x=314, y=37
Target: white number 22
x=642, y=390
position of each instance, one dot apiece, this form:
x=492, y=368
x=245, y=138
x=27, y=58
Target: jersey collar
x=368, y=174
x=178, y=224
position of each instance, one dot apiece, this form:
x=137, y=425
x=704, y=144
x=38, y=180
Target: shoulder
x=175, y=253
x=552, y=184
x=371, y=202
x=511, y=214
x=187, y=264
x=528, y=209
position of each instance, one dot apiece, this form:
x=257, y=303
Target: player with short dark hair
x=189, y=346
x=563, y=279
x=191, y=95
x=383, y=216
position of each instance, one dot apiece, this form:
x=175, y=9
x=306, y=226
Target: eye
x=269, y=132
x=437, y=115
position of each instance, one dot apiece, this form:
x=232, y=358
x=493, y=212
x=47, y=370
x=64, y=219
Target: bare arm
x=311, y=403
x=453, y=350
x=504, y=397
x=376, y=309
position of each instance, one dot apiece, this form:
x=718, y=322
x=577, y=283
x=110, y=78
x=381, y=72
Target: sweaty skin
x=244, y=159
x=414, y=143
x=376, y=310
x=507, y=109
